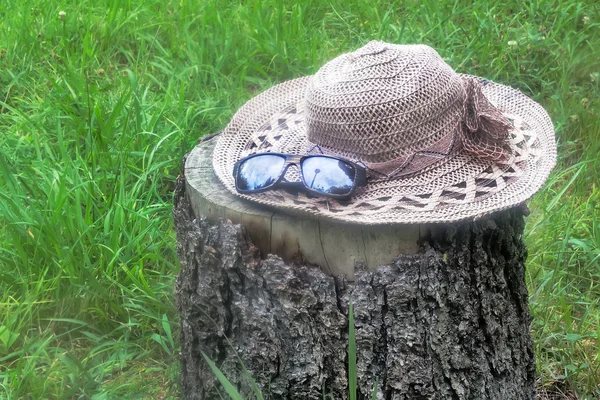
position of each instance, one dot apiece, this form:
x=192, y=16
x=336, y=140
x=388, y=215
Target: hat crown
x=384, y=102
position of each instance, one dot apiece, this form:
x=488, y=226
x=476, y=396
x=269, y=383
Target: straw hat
x=438, y=146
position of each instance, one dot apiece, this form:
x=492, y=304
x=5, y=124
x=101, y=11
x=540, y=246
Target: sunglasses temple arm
x=361, y=177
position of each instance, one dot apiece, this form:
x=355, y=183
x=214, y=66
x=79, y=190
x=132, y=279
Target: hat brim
x=458, y=187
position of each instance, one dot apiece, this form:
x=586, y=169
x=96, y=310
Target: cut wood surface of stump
x=440, y=311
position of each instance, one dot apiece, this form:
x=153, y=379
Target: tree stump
x=441, y=311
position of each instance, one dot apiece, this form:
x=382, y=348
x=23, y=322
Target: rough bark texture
x=449, y=323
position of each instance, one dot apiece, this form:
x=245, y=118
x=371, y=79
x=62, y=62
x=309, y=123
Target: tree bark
x=451, y=322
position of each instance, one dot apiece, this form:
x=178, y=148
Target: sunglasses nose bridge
x=294, y=166
x=291, y=172
x=293, y=158
x=290, y=160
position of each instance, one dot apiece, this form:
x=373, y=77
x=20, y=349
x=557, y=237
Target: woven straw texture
x=438, y=146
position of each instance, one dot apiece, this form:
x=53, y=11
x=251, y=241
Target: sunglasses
x=321, y=175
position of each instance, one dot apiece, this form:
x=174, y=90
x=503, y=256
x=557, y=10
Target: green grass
x=98, y=108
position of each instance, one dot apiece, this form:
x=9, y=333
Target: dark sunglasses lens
x=328, y=175
x=259, y=172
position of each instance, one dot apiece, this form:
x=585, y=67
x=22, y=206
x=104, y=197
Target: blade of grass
x=351, y=353
x=231, y=391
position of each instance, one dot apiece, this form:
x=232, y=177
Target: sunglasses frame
x=360, y=177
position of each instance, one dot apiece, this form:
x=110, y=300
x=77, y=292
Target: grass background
x=98, y=106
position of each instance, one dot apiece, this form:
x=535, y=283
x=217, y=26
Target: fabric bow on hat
x=484, y=128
